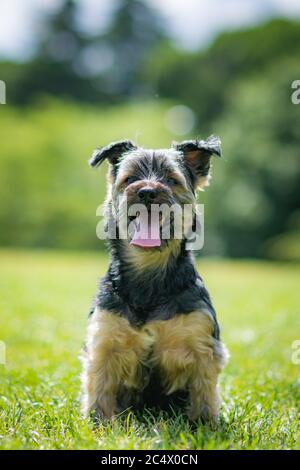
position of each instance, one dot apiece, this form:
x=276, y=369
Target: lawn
x=44, y=300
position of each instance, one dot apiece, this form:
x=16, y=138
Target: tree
x=104, y=67
x=135, y=31
x=51, y=71
x=201, y=79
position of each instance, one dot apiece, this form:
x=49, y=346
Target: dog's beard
x=149, y=226
x=146, y=231
x=154, y=228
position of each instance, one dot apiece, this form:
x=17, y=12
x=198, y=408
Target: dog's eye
x=171, y=181
x=130, y=179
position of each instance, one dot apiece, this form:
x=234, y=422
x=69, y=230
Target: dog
x=153, y=337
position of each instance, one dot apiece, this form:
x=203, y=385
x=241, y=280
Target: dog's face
x=146, y=184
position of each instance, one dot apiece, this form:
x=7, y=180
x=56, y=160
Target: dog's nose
x=147, y=195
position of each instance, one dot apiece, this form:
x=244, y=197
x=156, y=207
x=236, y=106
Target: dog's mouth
x=146, y=230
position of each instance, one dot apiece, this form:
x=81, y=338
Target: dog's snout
x=147, y=195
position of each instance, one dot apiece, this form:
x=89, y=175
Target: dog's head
x=145, y=184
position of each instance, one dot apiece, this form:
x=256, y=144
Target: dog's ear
x=196, y=156
x=111, y=152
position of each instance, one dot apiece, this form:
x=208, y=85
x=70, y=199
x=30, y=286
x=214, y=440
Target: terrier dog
x=153, y=337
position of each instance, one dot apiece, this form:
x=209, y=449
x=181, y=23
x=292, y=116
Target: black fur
x=111, y=152
x=197, y=154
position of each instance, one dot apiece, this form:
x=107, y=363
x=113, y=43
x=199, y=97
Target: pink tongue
x=146, y=235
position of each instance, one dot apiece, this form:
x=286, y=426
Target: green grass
x=44, y=300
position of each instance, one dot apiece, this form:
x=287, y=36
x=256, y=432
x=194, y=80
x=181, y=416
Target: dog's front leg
x=211, y=357
x=204, y=400
x=113, y=356
x=189, y=357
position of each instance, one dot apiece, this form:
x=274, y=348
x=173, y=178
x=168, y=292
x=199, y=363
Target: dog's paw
x=97, y=416
x=204, y=416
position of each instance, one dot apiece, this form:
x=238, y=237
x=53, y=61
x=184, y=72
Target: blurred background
x=80, y=74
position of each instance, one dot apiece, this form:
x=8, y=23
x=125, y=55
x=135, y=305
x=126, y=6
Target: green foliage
x=204, y=80
x=50, y=194
x=285, y=246
x=43, y=325
x=88, y=66
x=258, y=183
x=135, y=31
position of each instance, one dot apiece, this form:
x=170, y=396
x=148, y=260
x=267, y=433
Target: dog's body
x=153, y=336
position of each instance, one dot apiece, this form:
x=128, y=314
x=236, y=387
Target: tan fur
x=189, y=357
x=145, y=260
x=115, y=352
x=203, y=182
x=182, y=348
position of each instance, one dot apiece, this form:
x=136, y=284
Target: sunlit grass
x=44, y=301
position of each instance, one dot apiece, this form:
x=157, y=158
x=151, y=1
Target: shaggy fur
x=153, y=336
